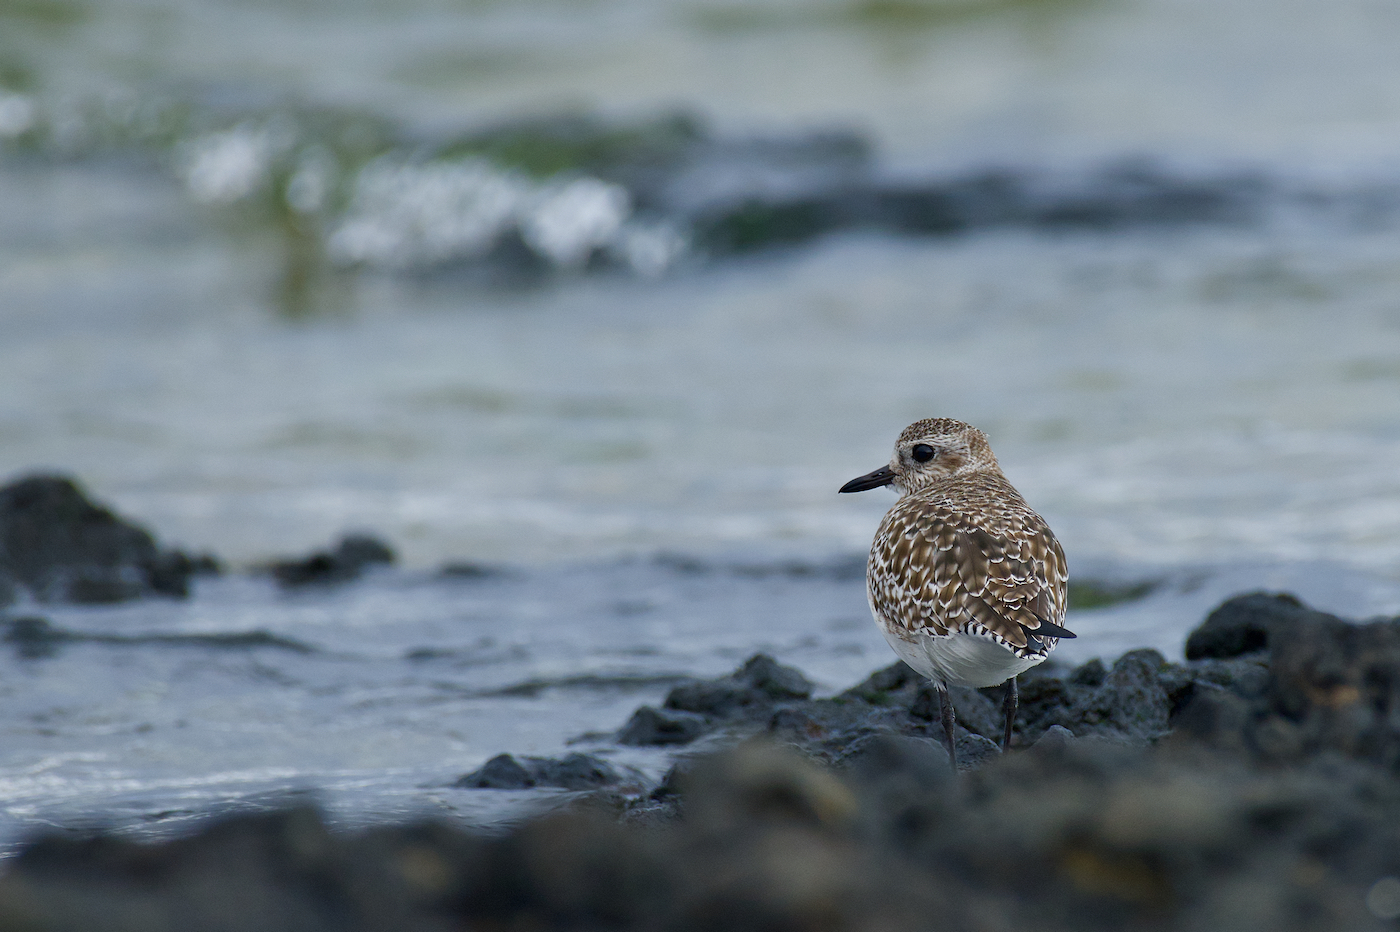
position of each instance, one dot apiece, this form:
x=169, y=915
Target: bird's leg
x=1008, y=706
x=946, y=707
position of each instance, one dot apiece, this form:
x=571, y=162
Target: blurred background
x=606, y=298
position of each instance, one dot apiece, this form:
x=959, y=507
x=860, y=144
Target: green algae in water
x=932, y=13
x=1096, y=594
x=43, y=12
x=553, y=145
x=880, y=14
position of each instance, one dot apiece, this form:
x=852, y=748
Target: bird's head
x=930, y=451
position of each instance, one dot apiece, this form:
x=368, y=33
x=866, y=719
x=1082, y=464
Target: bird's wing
x=943, y=570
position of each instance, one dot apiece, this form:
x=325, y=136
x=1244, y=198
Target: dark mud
x=1253, y=788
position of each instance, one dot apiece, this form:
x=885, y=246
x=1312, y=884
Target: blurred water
x=564, y=287
x=410, y=681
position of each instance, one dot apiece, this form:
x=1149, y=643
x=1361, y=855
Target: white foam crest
x=227, y=166
x=403, y=215
x=566, y=221
x=411, y=214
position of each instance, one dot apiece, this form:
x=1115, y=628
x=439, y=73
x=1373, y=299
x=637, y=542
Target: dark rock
x=62, y=547
x=1213, y=716
x=1323, y=686
x=974, y=751
x=1112, y=199
x=171, y=571
x=882, y=686
x=1055, y=736
x=670, y=786
x=1243, y=624
x=1130, y=703
x=927, y=705
x=652, y=726
x=905, y=785
x=797, y=724
x=502, y=772
x=713, y=697
x=574, y=772
x=971, y=709
x=1246, y=676
x=877, y=759
x=1269, y=808
x=352, y=555
x=363, y=550
x=1092, y=673
x=1339, y=683
x=464, y=570
x=1133, y=696
x=757, y=782
x=1048, y=701
x=1072, y=835
x=765, y=697
x=759, y=683
x=279, y=871
x=773, y=679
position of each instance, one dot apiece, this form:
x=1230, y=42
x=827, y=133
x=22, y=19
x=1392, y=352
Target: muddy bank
x=1253, y=787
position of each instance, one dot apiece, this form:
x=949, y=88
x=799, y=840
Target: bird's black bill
x=1055, y=631
x=871, y=480
x=1047, y=630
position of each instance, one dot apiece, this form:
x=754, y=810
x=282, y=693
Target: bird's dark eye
x=922, y=453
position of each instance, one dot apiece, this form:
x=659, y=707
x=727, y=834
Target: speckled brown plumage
x=968, y=554
x=966, y=582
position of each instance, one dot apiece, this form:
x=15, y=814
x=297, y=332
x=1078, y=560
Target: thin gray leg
x=947, y=709
x=1008, y=706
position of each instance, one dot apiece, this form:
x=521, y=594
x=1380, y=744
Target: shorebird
x=965, y=581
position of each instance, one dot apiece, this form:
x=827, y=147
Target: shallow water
x=380, y=694
x=376, y=696
x=268, y=272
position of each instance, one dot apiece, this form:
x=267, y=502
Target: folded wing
x=1003, y=573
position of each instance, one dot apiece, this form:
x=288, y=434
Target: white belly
x=959, y=659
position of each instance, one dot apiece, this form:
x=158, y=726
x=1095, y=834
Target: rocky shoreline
x=57, y=545
x=1252, y=787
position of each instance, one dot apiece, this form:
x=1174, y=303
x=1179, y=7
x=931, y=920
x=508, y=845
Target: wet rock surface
x=1252, y=790
x=351, y=556
x=1244, y=624
x=59, y=546
x=574, y=772
x=748, y=697
x=1132, y=701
